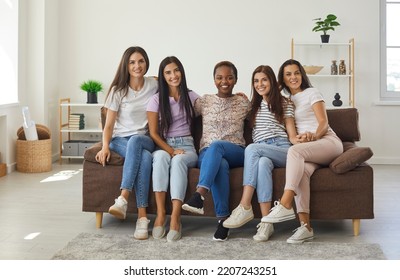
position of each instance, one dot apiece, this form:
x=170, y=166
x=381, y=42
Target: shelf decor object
x=342, y=68
x=323, y=25
x=337, y=102
x=312, y=69
x=334, y=68
x=91, y=87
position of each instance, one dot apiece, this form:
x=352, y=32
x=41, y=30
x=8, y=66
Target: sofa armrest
x=90, y=155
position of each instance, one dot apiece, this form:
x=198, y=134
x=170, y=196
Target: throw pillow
x=350, y=159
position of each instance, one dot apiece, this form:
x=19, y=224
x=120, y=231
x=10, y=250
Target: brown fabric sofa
x=343, y=190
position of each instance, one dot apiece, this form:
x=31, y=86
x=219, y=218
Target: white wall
x=8, y=72
x=37, y=74
x=89, y=37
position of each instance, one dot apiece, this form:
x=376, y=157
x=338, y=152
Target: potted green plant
x=329, y=23
x=92, y=87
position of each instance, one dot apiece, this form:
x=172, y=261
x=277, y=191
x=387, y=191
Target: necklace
x=136, y=86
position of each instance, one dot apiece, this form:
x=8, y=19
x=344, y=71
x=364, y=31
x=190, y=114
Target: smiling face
x=262, y=84
x=292, y=78
x=172, y=75
x=137, y=65
x=224, y=80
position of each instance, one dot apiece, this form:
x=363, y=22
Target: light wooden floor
x=50, y=211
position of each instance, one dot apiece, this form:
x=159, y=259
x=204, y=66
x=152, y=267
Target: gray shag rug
x=95, y=246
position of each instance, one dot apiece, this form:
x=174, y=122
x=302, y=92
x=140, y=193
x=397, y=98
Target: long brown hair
x=275, y=98
x=122, y=76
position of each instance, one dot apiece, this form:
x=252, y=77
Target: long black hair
x=185, y=103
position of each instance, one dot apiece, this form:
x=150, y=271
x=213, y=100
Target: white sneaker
x=119, y=208
x=279, y=213
x=142, y=229
x=264, y=232
x=301, y=234
x=239, y=217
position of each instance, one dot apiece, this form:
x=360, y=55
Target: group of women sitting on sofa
x=149, y=121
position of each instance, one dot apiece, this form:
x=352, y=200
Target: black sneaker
x=222, y=232
x=194, y=204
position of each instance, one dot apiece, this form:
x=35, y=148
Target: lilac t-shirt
x=179, y=126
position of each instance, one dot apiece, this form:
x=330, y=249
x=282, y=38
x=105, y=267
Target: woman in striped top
x=272, y=120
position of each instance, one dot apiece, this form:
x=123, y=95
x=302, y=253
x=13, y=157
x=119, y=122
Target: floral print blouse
x=223, y=118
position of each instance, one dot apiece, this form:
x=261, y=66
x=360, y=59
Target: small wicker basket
x=34, y=156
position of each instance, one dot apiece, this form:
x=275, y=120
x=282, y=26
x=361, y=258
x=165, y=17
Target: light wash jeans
x=215, y=162
x=173, y=171
x=259, y=161
x=136, y=150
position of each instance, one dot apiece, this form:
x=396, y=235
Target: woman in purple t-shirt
x=170, y=114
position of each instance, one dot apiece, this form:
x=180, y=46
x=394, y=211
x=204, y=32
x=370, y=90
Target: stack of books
x=76, y=121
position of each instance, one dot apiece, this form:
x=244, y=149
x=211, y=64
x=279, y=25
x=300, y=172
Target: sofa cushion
x=344, y=122
x=90, y=155
x=352, y=157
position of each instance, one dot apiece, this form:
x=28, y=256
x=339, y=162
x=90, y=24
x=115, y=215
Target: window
x=390, y=50
x=8, y=51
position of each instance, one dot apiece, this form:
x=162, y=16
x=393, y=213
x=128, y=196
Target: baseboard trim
x=384, y=160
x=11, y=167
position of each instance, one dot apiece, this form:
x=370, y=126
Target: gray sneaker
x=142, y=229
x=264, y=232
x=119, y=208
x=301, y=234
x=239, y=217
x=158, y=232
x=174, y=235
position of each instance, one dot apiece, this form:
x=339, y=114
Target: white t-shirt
x=304, y=115
x=131, y=109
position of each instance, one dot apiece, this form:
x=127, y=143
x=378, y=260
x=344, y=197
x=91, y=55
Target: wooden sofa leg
x=99, y=219
x=356, y=226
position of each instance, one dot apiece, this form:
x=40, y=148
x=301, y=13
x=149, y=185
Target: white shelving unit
x=323, y=54
x=65, y=110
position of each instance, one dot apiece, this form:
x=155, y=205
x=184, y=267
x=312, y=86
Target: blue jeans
x=259, y=161
x=215, y=162
x=136, y=150
x=173, y=171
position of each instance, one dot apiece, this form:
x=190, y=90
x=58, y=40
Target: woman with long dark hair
x=126, y=133
x=170, y=114
x=317, y=145
x=272, y=119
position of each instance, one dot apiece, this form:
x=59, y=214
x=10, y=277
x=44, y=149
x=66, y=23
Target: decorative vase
x=325, y=38
x=91, y=97
x=337, y=102
x=334, y=68
x=342, y=68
